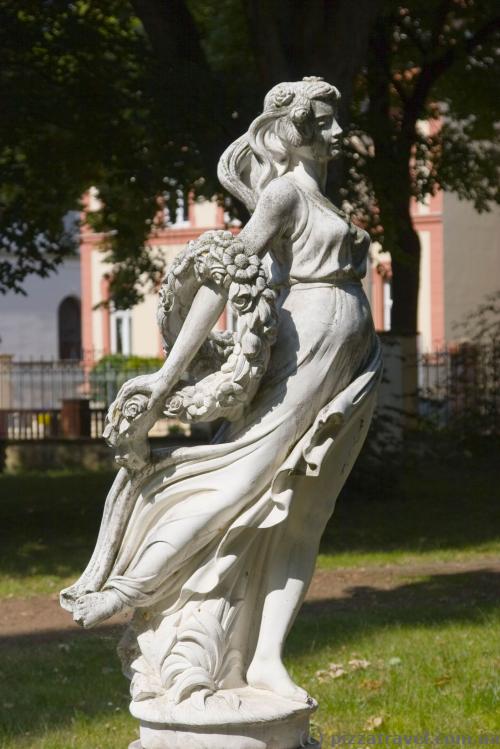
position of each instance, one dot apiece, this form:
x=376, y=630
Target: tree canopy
x=140, y=98
x=433, y=62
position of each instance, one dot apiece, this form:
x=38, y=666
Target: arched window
x=70, y=328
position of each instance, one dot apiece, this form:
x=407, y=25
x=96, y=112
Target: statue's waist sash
x=296, y=283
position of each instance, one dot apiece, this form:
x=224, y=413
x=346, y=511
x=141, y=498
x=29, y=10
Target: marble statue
x=213, y=546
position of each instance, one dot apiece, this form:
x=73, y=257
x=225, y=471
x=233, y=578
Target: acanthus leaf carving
x=190, y=658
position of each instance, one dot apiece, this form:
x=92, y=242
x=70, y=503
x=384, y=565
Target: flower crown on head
x=282, y=95
x=296, y=97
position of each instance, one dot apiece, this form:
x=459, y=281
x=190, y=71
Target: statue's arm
x=273, y=216
x=206, y=308
x=270, y=220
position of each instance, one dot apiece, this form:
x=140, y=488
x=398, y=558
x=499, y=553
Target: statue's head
x=298, y=121
x=295, y=114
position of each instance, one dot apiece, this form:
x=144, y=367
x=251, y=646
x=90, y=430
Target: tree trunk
x=406, y=272
x=185, y=79
x=317, y=37
x=404, y=246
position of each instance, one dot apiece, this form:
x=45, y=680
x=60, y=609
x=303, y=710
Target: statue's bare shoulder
x=281, y=195
x=274, y=214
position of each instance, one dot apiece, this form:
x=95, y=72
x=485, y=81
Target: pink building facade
x=428, y=221
x=133, y=332
x=460, y=266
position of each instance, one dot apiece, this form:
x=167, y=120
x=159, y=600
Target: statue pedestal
x=243, y=718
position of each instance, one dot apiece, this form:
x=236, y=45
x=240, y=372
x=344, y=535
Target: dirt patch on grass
x=42, y=619
x=468, y=583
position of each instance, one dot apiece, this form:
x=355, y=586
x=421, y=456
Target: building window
x=69, y=325
x=175, y=212
x=121, y=332
x=387, y=304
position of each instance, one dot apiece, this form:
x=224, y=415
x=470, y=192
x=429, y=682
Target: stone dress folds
x=204, y=521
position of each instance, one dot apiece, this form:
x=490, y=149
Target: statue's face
x=326, y=144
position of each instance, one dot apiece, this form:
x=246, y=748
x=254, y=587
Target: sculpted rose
x=134, y=406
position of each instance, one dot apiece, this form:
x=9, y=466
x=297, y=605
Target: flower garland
x=242, y=356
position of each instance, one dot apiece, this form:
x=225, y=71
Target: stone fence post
x=75, y=418
x=5, y=381
x=398, y=393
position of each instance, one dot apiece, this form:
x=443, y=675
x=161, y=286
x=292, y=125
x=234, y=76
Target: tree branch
x=171, y=31
x=399, y=88
x=417, y=41
x=436, y=68
x=185, y=78
x=440, y=17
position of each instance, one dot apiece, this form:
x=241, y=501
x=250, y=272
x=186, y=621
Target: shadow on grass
x=49, y=522
x=53, y=683
x=437, y=507
x=47, y=687
x=463, y=597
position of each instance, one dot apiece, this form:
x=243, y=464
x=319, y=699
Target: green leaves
x=140, y=98
x=63, y=69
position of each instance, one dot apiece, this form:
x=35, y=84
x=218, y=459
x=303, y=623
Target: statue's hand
x=135, y=409
x=153, y=386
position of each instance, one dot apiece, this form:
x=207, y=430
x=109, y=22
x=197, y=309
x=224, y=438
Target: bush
x=122, y=363
x=108, y=375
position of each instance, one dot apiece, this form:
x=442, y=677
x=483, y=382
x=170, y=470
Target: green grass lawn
x=437, y=512
x=49, y=522
x=431, y=644
x=432, y=669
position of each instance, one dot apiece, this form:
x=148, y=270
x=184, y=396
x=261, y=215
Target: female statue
x=214, y=545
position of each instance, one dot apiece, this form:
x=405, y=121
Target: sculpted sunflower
x=240, y=266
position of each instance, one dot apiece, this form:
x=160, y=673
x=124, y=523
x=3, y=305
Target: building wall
x=98, y=321
x=29, y=324
x=460, y=266
x=428, y=221
x=471, y=260
x=145, y=335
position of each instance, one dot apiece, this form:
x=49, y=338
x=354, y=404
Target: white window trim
x=387, y=288
x=126, y=318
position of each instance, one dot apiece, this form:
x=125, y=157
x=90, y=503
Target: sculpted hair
x=262, y=153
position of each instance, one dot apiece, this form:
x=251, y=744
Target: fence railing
x=53, y=399
x=460, y=385
x=43, y=424
x=457, y=384
x=45, y=384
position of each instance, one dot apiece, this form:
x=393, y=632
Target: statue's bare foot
x=94, y=608
x=273, y=676
x=69, y=596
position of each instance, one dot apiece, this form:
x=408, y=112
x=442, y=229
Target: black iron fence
x=43, y=424
x=45, y=384
x=47, y=399
x=458, y=385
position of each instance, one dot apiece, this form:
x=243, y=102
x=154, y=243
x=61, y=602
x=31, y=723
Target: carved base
x=278, y=736
x=243, y=718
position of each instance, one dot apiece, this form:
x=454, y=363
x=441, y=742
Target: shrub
x=109, y=373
